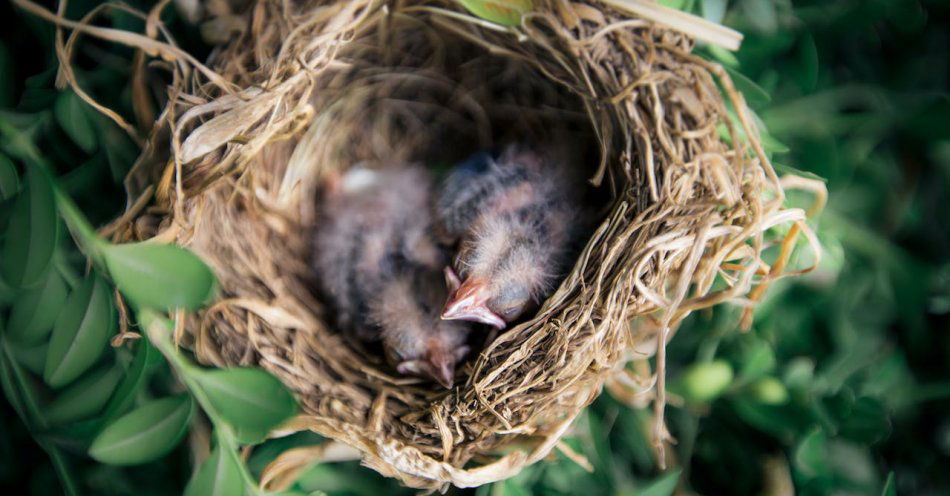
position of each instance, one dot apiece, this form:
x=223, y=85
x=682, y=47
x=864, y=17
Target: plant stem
x=159, y=334
x=86, y=237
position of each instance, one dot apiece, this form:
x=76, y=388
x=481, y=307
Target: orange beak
x=467, y=302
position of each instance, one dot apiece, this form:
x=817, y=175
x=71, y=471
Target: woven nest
x=301, y=89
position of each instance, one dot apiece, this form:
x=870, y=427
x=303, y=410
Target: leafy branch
x=242, y=404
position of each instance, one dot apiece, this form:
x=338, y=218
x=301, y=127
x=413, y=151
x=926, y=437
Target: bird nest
x=301, y=89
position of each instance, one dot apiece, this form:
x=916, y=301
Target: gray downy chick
x=379, y=267
x=515, y=218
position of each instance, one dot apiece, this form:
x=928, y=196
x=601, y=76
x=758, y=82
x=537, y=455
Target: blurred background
x=842, y=386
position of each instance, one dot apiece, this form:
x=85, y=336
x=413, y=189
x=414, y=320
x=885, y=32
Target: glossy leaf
x=159, y=276
x=73, y=116
x=32, y=357
x=504, y=12
x=219, y=475
x=81, y=332
x=754, y=94
x=146, y=433
x=132, y=381
x=35, y=310
x=664, y=485
x=84, y=398
x=9, y=181
x=250, y=400
x=810, y=456
x=31, y=233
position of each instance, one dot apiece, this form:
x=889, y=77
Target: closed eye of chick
x=514, y=239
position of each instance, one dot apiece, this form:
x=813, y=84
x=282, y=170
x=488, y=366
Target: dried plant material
x=243, y=143
x=279, y=474
x=683, y=22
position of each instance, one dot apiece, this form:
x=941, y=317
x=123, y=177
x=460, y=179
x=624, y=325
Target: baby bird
x=379, y=267
x=515, y=219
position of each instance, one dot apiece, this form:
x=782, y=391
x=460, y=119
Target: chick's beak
x=440, y=365
x=468, y=302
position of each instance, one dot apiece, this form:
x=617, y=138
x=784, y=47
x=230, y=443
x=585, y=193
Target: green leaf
x=810, y=455
x=704, y=382
x=808, y=52
x=781, y=421
x=144, y=434
x=72, y=115
x=164, y=277
x=35, y=310
x=9, y=180
x=32, y=357
x=722, y=55
x=84, y=398
x=866, y=422
x=504, y=12
x=754, y=94
x=769, y=390
x=787, y=169
x=510, y=487
x=250, y=400
x=799, y=373
x=132, y=381
x=758, y=360
x=7, y=294
x=889, y=486
x=219, y=475
x=761, y=14
x=684, y=5
x=10, y=390
x=81, y=332
x=769, y=143
x=662, y=485
x=75, y=437
x=714, y=10
x=31, y=234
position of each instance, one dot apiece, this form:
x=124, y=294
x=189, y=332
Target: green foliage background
x=841, y=387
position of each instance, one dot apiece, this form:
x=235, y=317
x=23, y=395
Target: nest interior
x=305, y=88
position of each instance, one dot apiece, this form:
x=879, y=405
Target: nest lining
x=307, y=88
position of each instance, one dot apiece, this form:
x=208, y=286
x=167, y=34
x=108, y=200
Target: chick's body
x=380, y=268
x=515, y=220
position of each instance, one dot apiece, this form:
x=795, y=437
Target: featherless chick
x=380, y=268
x=515, y=218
